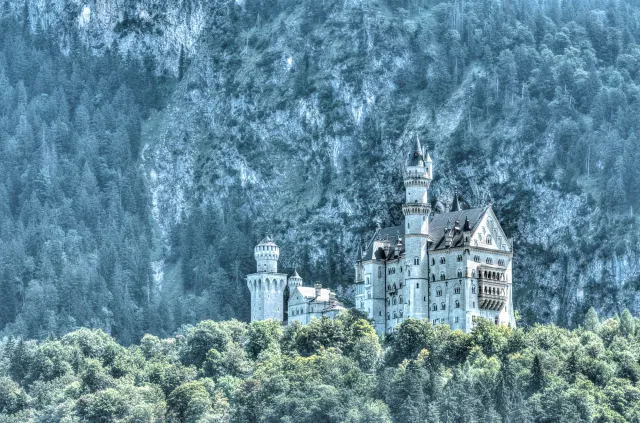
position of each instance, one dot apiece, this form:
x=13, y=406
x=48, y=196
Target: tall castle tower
x=267, y=286
x=417, y=179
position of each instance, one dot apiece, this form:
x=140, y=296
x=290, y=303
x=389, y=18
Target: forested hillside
x=146, y=146
x=329, y=371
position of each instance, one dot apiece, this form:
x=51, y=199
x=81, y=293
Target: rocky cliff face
x=294, y=118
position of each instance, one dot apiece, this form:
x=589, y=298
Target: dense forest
x=141, y=161
x=329, y=371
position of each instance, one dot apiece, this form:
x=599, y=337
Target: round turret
x=295, y=280
x=266, y=254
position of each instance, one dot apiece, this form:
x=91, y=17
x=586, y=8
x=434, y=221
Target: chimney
x=318, y=288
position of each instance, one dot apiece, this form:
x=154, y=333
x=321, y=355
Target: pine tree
x=591, y=321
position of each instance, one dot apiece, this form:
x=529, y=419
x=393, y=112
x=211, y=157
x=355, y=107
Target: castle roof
x=437, y=225
x=267, y=241
x=441, y=221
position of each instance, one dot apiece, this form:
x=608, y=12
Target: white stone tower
x=267, y=285
x=417, y=179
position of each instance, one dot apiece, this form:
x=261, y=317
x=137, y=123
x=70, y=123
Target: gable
x=489, y=234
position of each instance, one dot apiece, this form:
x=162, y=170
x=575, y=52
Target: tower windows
x=434, y=307
x=473, y=289
x=416, y=261
x=438, y=292
x=443, y=306
x=489, y=239
x=457, y=304
x=459, y=273
x=443, y=260
x=476, y=259
x=489, y=260
x=459, y=258
x=455, y=319
x=456, y=290
x=433, y=278
x=400, y=299
x=433, y=262
x=442, y=276
x=417, y=285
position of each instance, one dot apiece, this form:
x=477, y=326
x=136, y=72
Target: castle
x=449, y=268
x=269, y=290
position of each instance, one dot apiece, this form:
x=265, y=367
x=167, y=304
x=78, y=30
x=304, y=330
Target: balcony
x=492, y=295
x=493, y=288
x=416, y=208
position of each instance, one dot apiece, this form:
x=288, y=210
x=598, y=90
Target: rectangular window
x=417, y=285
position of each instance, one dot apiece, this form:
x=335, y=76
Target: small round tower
x=266, y=254
x=295, y=280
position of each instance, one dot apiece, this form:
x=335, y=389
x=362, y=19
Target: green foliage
x=256, y=372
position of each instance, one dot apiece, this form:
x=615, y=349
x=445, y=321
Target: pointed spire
x=456, y=205
x=417, y=149
x=416, y=157
x=295, y=274
x=467, y=225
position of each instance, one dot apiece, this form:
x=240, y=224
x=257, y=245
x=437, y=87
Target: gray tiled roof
x=437, y=224
x=439, y=221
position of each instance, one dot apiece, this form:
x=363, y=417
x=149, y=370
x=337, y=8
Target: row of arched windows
x=443, y=306
x=492, y=290
x=266, y=247
x=498, y=276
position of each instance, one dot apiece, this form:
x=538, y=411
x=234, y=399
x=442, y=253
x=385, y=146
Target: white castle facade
x=270, y=290
x=450, y=268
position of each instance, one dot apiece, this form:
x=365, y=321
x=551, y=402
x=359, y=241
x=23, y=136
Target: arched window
x=388, y=301
x=443, y=260
x=433, y=262
x=416, y=261
x=476, y=259
x=473, y=273
x=496, y=320
x=400, y=299
x=489, y=261
x=369, y=295
x=438, y=292
x=442, y=276
x=473, y=289
x=456, y=290
x=443, y=306
x=433, y=278
x=395, y=301
x=489, y=239
x=361, y=304
x=434, y=307
x=459, y=273
x=459, y=258
x=457, y=304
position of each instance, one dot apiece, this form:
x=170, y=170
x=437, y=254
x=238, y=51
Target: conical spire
x=456, y=205
x=467, y=225
x=416, y=158
x=417, y=148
